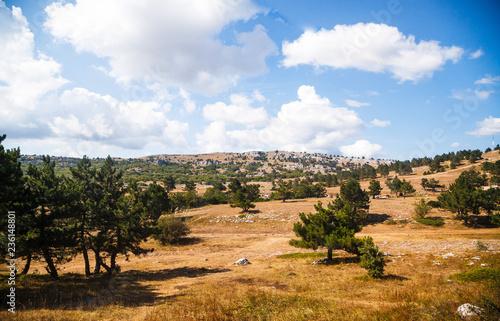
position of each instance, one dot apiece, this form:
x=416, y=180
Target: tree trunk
x=86, y=259
x=27, y=265
x=51, y=268
x=98, y=262
x=330, y=255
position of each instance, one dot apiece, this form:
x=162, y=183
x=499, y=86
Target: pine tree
x=462, y=198
x=284, y=190
x=406, y=188
x=328, y=227
x=85, y=205
x=374, y=188
x=52, y=234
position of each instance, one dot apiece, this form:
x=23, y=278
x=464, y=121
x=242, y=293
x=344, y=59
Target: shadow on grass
x=189, y=241
x=480, y=221
x=74, y=291
x=374, y=218
x=392, y=277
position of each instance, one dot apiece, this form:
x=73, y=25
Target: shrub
x=430, y=221
x=171, y=230
x=495, y=219
x=371, y=258
x=421, y=208
x=480, y=246
x=479, y=274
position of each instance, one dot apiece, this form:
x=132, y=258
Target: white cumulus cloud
x=487, y=80
x=370, y=47
x=25, y=76
x=239, y=111
x=476, y=54
x=86, y=116
x=355, y=103
x=173, y=42
x=488, y=126
x=380, y=123
x=362, y=148
x=310, y=123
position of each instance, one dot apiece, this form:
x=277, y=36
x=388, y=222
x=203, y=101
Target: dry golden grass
x=198, y=279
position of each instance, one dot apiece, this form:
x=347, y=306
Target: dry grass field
x=198, y=279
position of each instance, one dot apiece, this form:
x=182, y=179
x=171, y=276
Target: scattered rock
x=242, y=261
x=320, y=261
x=468, y=310
x=448, y=255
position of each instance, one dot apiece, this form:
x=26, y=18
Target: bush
x=478, y=275
x=421, y=208
x=171, y=230
x=495, y=219
x=430, y=221
x=480, y=246
x=371, y=258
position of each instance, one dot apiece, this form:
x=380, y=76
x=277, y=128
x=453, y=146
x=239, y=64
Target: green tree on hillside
x=85, y=205
x=244, y=195
x=283, y=190
x=374, y=189
x=52, y=229
x=461, y=198
x=351, y=194
x=406, y=188
x=394, y=184
x=328, y=227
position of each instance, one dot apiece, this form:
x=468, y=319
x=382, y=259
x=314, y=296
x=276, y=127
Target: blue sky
x=384, y=79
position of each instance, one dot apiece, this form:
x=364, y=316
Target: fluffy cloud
x=172, y=42
x=476, y=54
x=239, y=111
x=455, y=145
x=380, y=123
x=309, y=124
x=85, y=115
x=362, y=148
x=489, y=126
x=487, y=80
x=483, y=94
x=25, y=77
x=370, y=47
x=355, y=103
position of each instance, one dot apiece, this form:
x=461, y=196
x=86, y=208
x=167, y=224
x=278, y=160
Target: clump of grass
x=480, y=246
x=397, y=221
x=430, y=221
x=303, y=255
x=478, y=275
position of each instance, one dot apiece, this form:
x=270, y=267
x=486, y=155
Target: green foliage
x=480, y=246
x=495, y=219
x=406, y=188
x=303, y=255
x=421, y=208
x=430, y=221
x=214, y=195
x=244, y=195
x=371, y=258
x=328, y=227
x=462, y=197
x=394, y=184
x=431, y=184
x=283, y=190
x=171, y=230
x=374, y=188
x=478, y=275
x=353, y=196
x=50, y=228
